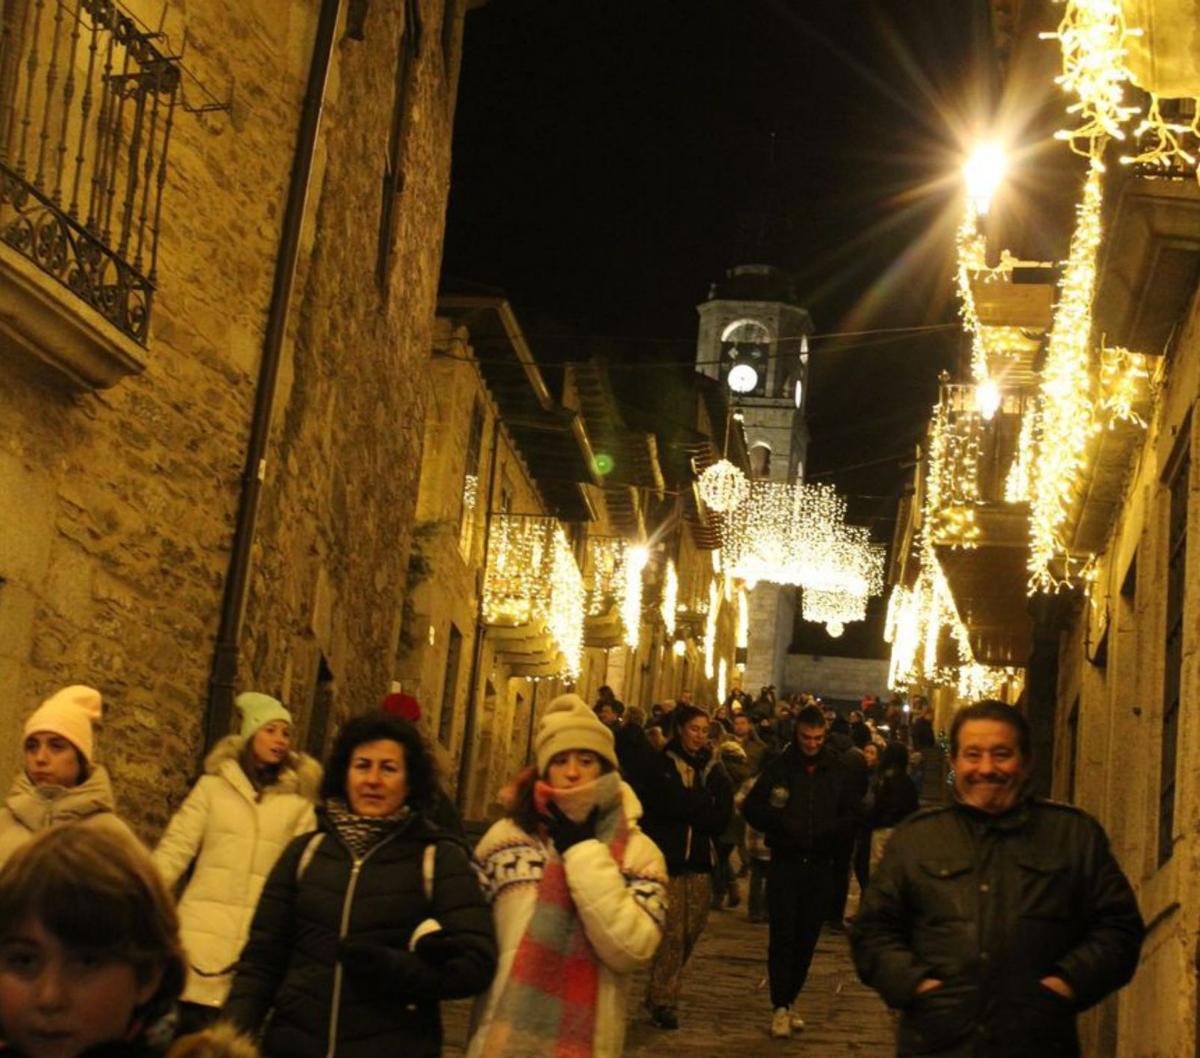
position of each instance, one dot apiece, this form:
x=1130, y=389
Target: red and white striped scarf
x=548, y=1006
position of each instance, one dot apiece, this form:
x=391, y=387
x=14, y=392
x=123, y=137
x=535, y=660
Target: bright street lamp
x=982, y=173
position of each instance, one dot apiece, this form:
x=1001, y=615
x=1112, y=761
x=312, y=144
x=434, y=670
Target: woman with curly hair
x=364, y=927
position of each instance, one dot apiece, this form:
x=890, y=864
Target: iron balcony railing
x=87, y=102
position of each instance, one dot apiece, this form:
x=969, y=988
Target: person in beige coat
x=60, y=783
x=578, y=894
x=256, y=795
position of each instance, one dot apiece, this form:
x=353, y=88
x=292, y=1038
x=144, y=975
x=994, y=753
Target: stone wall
x=847, y=679
x=119, y=505
x=1109, y=728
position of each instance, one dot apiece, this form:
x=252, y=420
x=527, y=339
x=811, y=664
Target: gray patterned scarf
x=362, y=833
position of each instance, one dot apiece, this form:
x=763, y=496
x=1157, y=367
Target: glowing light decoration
x=1094, y=36
x=1016, y=485
x=710, y=629
x=1065, y=408
x=723, y=486
x=636, y=557
x=531, y=578
x=670, y=598
x=1124, y=382
x=743, y=620
x=778, y=534
x=722, y=679
x=614, y=578
x=952, y=478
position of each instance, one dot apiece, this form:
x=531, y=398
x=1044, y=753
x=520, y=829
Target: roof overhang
x=552, y=440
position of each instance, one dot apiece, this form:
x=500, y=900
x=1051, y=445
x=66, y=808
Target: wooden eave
x=553, y=441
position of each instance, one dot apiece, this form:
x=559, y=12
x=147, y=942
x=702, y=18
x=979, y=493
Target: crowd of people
x=329, y=911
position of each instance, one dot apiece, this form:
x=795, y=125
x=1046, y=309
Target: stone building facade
x=121, y=484
x=1126, y=727
x=500, y=449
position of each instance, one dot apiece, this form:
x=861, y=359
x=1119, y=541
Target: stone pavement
x=725, y=1010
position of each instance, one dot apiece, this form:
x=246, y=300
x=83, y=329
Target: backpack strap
x=310, y=850
x=428, y=868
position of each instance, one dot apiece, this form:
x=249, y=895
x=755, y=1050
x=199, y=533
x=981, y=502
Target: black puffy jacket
x=317, y=897
x=991, y=905
x=803, y=805
x=686, y=805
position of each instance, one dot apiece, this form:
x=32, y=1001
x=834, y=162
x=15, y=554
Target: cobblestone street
x=725, y=1010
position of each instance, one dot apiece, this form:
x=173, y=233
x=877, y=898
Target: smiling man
x=994, y=920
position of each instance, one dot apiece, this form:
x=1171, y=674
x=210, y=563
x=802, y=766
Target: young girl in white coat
x=255, y=796
x=578, y=895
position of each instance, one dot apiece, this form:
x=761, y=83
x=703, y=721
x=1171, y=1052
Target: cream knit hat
x=570, y=723
x=69, y=713
x=259, y=710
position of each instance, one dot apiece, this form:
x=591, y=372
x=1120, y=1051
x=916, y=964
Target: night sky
x=613, y=157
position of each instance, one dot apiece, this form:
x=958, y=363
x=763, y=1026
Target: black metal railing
x=87, y=103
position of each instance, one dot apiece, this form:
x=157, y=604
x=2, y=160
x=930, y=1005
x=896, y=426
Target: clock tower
x=754, y=337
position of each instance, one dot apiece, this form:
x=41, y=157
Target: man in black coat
x=802, y=803
x=858, y=775
x=992, y=921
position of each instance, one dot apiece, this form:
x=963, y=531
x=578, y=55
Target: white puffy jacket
x=235, y=834
x=622, y=907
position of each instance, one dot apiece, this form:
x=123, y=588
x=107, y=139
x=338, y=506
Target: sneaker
x=781, y=1023
x=797, y=1021
x=664, y=1018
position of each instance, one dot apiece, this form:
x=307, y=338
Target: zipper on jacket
x=347, y=905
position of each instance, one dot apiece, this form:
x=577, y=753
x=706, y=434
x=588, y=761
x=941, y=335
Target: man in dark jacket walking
x=993, y=921
x=802, y=802
x=688, y=802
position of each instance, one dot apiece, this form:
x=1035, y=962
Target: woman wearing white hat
x=255, y=796
x=578, y=895
x=59, y=782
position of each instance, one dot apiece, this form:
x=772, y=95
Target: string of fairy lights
x=1082, y=388
x=796, y=534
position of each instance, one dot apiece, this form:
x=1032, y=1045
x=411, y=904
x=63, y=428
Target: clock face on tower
x=745, y=355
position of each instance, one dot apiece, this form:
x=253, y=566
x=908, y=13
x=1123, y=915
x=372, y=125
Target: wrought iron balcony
x=87, y=102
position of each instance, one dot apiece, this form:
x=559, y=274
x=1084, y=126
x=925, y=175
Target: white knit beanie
x=570, y=723
x=258, y=710
x=69, y=713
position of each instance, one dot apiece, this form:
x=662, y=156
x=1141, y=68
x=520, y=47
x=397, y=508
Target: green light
x=604, y=463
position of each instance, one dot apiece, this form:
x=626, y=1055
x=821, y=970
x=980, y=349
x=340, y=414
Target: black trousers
x=799, y=891
x=862, y=856
x=843, y=852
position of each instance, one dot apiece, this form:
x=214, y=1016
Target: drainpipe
x=223, y=678
x=465, y=758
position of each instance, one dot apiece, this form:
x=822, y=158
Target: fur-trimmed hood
x=299, y=774
x=221, y=1041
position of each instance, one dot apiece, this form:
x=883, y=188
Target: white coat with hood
x=29, y=809
x=622, y=907
x=234, y=833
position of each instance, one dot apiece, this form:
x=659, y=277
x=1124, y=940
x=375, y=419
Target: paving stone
x=725, y=1010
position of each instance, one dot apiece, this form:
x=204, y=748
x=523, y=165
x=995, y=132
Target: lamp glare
x=982, y=173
